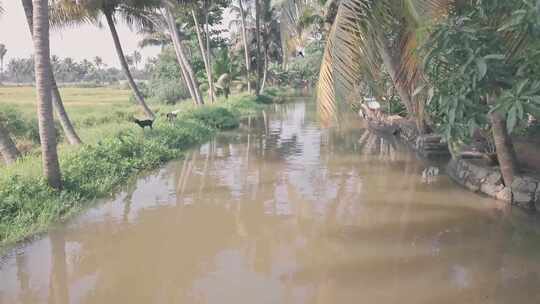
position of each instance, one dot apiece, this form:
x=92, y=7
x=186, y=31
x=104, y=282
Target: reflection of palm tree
x=58, y=290
x=26, y=294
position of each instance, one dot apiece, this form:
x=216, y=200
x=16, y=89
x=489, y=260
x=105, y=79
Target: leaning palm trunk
x=246, y=49
x=47, y=135
x=8, y=150
x=204, y=57
x=187, y=71
x=71, y=135
x=209, y=57
x=265, y=72
x=258, y=37
x=506, y=154
x=125, y=67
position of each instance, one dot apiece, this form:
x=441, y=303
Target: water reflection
x=284, y=212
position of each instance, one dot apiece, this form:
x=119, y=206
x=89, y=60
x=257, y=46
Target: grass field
x=95, y=112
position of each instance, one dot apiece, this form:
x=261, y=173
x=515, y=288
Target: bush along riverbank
x=28, y=206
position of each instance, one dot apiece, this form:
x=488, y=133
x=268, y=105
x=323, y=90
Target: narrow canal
x=283, y=211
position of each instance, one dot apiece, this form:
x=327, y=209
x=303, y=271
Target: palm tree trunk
x=47, y=134
x=265, y=72
x=246, y=49
x=125, y=67
x=187, y=70
x=204, y=57
x=258, y=37
x=71, y=135
x=8, y=150
x=506, y=154
x=209, y=56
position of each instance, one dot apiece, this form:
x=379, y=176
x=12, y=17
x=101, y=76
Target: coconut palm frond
x=420, y=14
x=363, y=33
x=349, y=56
x=425, y=11
x=137, y=17
x=66, y=13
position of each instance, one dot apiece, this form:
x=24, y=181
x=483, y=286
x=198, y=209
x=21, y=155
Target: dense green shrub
x=166, y=83
x=216, y=117
x=168, y=91
x=22, y=127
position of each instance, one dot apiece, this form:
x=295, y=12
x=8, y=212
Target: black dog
x=144, y=123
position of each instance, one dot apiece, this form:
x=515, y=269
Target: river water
x=282, y=211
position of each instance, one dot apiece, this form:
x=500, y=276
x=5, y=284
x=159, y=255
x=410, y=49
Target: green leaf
x=511, y=120
x=494, y=57
x=535, y=99
x=533, y=110
x=482, y=67
x=519, y=107
x=521, y=85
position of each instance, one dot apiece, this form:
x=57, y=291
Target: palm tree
x=109, y=9
x=242, y=13
x=205, y=50
x=133, y=12
x=8, y=150
x=47, y=135
x=187, y=70
x=3, y=51
x=258, y=37
x=71, y=135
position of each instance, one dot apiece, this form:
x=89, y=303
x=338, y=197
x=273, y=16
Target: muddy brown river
x=283, y=211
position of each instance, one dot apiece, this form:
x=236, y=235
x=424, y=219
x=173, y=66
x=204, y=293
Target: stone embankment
x=477, y=177
x=473, y=174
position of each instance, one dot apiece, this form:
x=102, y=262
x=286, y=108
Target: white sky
x=81, y=42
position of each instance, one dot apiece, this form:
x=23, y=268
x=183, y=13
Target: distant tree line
x=68, y=70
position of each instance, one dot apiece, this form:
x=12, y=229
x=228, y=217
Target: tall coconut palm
x=109, y=11
x=211, y=90
x=205, y=53
x=205, y=49
x=3, y=51
x=243, y=29
x=187, y=70
x=258, y=37
x=71, y=135
x=47, y=134
x=135, y=13
x=8, y=150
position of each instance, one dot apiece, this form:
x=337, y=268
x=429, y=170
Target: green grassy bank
x=28, y=206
